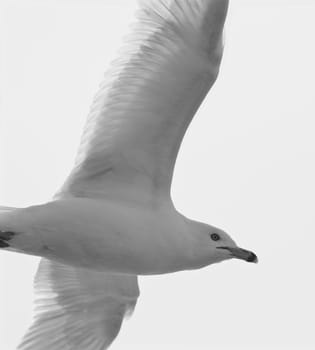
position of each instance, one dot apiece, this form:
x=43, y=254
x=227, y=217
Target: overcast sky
x=246, y=165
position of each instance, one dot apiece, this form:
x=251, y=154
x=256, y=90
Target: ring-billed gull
x=114, y=218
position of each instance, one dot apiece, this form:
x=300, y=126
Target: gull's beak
x=242, y=254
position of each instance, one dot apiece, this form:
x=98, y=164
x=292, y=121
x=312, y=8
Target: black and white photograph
x=157, y=174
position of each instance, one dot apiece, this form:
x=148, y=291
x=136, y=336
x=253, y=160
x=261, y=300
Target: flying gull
x=114, y=219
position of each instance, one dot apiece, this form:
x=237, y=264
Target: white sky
x=246, y=165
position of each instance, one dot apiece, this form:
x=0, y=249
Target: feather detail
x=148, y=98
x=78, y=309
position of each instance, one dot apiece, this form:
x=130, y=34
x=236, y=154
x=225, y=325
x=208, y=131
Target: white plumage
x=114, y=219
x=147, y=100
x=78, y=309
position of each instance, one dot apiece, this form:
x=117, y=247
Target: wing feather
x=78, y=309
x=148, y=98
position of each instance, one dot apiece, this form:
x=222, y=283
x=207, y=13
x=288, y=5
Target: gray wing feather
x=148, y=98
x=78, y=309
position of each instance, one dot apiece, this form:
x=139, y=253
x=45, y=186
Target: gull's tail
x=5, y=234
x=16, y=234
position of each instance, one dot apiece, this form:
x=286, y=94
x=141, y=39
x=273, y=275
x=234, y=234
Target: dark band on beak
x=242, y=254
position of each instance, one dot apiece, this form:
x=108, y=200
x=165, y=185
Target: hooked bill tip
x=252, y=257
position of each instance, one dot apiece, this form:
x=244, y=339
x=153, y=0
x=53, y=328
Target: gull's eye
x=215, y=237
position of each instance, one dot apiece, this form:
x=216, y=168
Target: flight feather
x=78, y=308
x=147, y=100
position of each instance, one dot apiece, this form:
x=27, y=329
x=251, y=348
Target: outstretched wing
x=139, y=117
x=77, y=308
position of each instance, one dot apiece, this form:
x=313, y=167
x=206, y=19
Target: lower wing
x=78, y=309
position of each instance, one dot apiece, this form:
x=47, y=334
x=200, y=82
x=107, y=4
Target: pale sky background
x=246, y=165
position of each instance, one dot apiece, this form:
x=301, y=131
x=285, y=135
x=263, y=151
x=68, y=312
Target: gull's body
x=88, y=233
x=114, y=219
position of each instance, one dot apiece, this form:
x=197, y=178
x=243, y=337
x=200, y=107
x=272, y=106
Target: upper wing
x=139, y=117
x=77, y=308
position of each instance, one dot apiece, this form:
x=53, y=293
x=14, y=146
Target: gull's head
x=213, y=245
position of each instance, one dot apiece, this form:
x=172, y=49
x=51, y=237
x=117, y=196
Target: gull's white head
x=212, y=245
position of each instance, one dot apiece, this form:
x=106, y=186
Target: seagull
x=114, y=219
